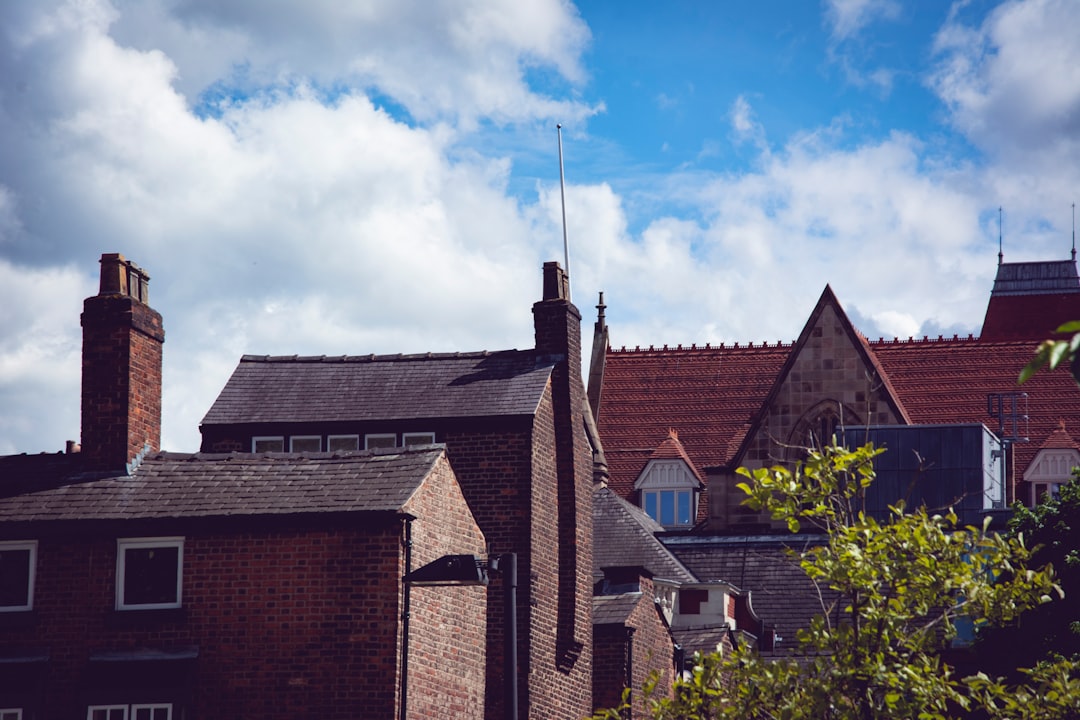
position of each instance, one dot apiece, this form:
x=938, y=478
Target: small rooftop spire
x=1001, y=255
x=1074, y=232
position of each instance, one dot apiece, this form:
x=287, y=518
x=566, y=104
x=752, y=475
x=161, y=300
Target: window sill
x=145, y=618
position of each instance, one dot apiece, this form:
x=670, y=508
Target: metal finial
x=1074, y=232
x=1001, y=255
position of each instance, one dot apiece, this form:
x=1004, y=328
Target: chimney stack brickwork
x=558, y=337
x=121, y=369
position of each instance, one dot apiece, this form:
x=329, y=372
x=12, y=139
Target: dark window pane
x=15, y=577
x=150, y=575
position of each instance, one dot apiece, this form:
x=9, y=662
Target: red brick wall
x=447, y=635
x=645, y=636
x=494, y=468
x=291, y=623
x=563, y=689
x=121, y=380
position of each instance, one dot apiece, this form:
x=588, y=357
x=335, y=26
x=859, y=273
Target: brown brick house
x=514, y=426
x=138, y=584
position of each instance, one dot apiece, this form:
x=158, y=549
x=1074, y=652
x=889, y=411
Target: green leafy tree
x=1052, y=353
x=903, y=586
x=1050, y=630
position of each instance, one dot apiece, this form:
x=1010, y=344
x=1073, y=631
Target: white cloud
x=1012, y=84
x=846, y=18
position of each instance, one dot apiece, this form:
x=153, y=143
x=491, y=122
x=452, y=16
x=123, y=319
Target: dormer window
x=669, y=493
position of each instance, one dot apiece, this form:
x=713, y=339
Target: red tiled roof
x=709, y=394
x=1060, y=439
x=672, y=449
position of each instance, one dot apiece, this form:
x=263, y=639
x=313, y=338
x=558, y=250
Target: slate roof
x=781, y=594
x=701, y=638
x=175, y=485
x=381, y=387
x=624, y=535
x=614, y=609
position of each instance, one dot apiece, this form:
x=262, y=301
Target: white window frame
x=10, y=713
x=124, y=544
x=135, y=708
x=264, y=438
x=669, y=475
x=331, y=438
x=129, y=711
x=31, y=546
x=294, y=438
x=676, y=492
x=417, y=438
x=379, y=436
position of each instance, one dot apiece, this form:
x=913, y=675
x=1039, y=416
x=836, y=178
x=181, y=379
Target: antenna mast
x=562, y=195
x=1074, y=232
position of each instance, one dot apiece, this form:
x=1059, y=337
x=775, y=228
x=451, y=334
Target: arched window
x=818, y=425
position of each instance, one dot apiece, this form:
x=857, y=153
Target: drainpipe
x=405, y=593
x=630, y=673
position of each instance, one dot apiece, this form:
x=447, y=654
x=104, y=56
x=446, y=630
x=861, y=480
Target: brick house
x=136, y=584
x=515, y=428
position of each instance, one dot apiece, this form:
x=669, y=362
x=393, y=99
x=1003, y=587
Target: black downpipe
x=406, y=590
x=629, y=673
x=508, y=568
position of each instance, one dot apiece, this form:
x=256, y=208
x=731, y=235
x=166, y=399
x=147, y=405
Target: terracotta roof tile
x=709, y=394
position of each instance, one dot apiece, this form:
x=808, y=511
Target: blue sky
x=350, y=178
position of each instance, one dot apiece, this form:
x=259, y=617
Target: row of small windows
x=149, y=576
x=338, y=443
x=142, y=711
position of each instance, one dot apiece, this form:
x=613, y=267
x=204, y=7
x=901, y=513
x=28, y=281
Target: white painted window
x=343, y=443
x=380, y=440
x=418, y=438
x=149, y=573
x=10, y=713
x=18, y=562
x=669, y=492
x=305, y=443
x=268, y=444
x=141, y=711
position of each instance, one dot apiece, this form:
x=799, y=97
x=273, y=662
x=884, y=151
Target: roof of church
x=1031, y=299
x=711, y=395
x=381, y=387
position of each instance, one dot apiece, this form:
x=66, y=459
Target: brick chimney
x=557, y=324
x=121, y=369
